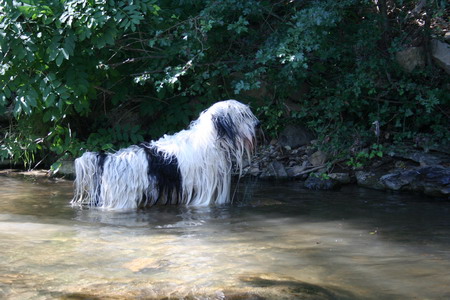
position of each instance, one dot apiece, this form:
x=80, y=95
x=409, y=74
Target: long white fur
x=204, y=161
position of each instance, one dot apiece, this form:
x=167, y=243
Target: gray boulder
x=343, y=178
x=423, y=158
x=369, y=180
x=410, y=58
x=318, y=158
x=317, y=183
x=274, y=169
x=441, y=54
x=431, y=180
x=295, y=136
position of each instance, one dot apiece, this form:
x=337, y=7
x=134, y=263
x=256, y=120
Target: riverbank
x=403, y=169
x=37, y=176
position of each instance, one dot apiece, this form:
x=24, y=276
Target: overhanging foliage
x=78, y=74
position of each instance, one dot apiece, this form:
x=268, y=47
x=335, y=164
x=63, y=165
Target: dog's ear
x=225, y=126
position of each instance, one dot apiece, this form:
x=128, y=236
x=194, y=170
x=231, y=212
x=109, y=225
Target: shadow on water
x=276, y=241
x=400, y=216
x=296, y=288
x=264, y=289
x=79, y=296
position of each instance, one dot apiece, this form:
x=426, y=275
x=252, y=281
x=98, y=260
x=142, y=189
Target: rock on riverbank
x=401, y=170
x=406, y=169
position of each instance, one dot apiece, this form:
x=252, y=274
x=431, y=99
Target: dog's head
x=235, y=126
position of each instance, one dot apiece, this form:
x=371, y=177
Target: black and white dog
x=191, y=167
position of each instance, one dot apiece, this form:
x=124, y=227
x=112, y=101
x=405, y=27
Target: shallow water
x=277, y=241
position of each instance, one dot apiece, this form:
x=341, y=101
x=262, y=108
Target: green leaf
x=24, y=105
x=408, y=112
x=59, y=59
x=51, y=76
x=48, y=116
x=106, y=147
x=2, y=102
x=55, y=167
x=69, y=43
x=109, y=37
x=52, y=52
x=7, y=91
x=30, y=55
x=65, y=53
x=17, y=108
x=31, y=97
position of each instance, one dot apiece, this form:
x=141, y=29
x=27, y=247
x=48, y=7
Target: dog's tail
x=88, y=170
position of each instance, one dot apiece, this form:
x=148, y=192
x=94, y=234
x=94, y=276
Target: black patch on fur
x=165, y=171
x=225, y=127
x=101, y=158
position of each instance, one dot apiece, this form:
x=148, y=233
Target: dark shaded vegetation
x=99, y=75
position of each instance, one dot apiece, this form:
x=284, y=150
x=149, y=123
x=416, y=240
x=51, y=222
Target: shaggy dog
x=191, y=167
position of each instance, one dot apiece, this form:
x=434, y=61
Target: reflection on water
x=277, y=241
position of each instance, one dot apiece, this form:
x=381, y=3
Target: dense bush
x=101, y=74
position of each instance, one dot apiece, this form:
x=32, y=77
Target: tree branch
x=135, y=59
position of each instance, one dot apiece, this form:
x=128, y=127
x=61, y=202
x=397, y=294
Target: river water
x=276, y=241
